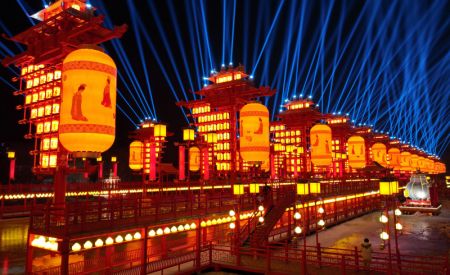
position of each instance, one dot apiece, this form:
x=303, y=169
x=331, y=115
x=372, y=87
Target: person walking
x=366, y=253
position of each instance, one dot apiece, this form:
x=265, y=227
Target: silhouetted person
x=366, y=253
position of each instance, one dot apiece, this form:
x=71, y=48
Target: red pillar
x=12, y=168
x=181, y=163
x=115, y=169
x=205, y=163
x=100, y=170
x=273, y=173
x=152, y=161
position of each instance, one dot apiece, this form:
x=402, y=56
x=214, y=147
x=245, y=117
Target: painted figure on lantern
x=260, y=129
x=77, y=99
x=106, y=94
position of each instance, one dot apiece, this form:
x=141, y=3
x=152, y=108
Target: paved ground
x=422, y=234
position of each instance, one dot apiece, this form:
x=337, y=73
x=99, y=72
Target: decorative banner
x=394, y=156
x=136, y=160
x=356, y=151
x=254, y=141
x=320, y=136
x=379, y=154
x=88, y=103
x=194, y=159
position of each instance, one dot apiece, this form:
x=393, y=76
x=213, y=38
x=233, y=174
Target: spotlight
x=88, y=5
x=251, y=76
x=231, y=64
x=223, y=65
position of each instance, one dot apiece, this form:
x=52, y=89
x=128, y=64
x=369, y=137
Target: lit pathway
x=422, y=234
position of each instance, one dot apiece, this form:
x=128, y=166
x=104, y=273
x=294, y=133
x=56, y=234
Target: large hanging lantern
x=320, y=136
x=135, y=160
x=194, y=159
x=88, y=105
x=254, y=141
x=379, y=153
x=356, y=151
x=394, y=156
x=405, y=161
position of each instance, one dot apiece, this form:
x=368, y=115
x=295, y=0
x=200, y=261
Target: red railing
x=273, y=258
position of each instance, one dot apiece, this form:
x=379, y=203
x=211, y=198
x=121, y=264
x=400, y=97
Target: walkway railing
x=271, y=259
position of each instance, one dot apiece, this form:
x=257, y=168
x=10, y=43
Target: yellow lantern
x=379, y=153
x=194, y=159
x=320, y=136
x=136, y=155
x=238, y=189
x=302, y=188
x=356, y=152
x=254, y=133
x=88, y=104
x=254, y=188
x=160, y=130
x=388, y=187
x=394, y=155
x=405, y=161
x=188, y=134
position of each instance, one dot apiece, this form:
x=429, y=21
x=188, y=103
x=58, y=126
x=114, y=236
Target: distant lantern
x=430, y=165
x=320, y=136
x=414, y=162
x=379, y=153
x=254, y=138
x=88, y=105
x=194, y=159
x=356, y=152
x=394, y=156
x=405, y=161
x=135, y=160
x=421, y=164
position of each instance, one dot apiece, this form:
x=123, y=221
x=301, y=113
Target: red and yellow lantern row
x=254, y=140
x=356, y=151
x=405, y=161
x=194, y=159
x=88, y=105
x=394, y=158
x=414, y=162
x=136, y=160
x=320, y=136
x=379, y=153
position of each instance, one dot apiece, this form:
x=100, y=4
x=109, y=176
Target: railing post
x=198, y=246
x=144, y=252
x=210, y=253
x=319, y=255
x=356, y=259
x=268, y=262
x=343, y=264
x=64, y=268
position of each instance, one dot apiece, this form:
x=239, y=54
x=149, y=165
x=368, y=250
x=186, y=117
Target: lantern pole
x=12, y=167
x=100, y=168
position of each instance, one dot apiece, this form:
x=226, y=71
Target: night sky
x=182, y=51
